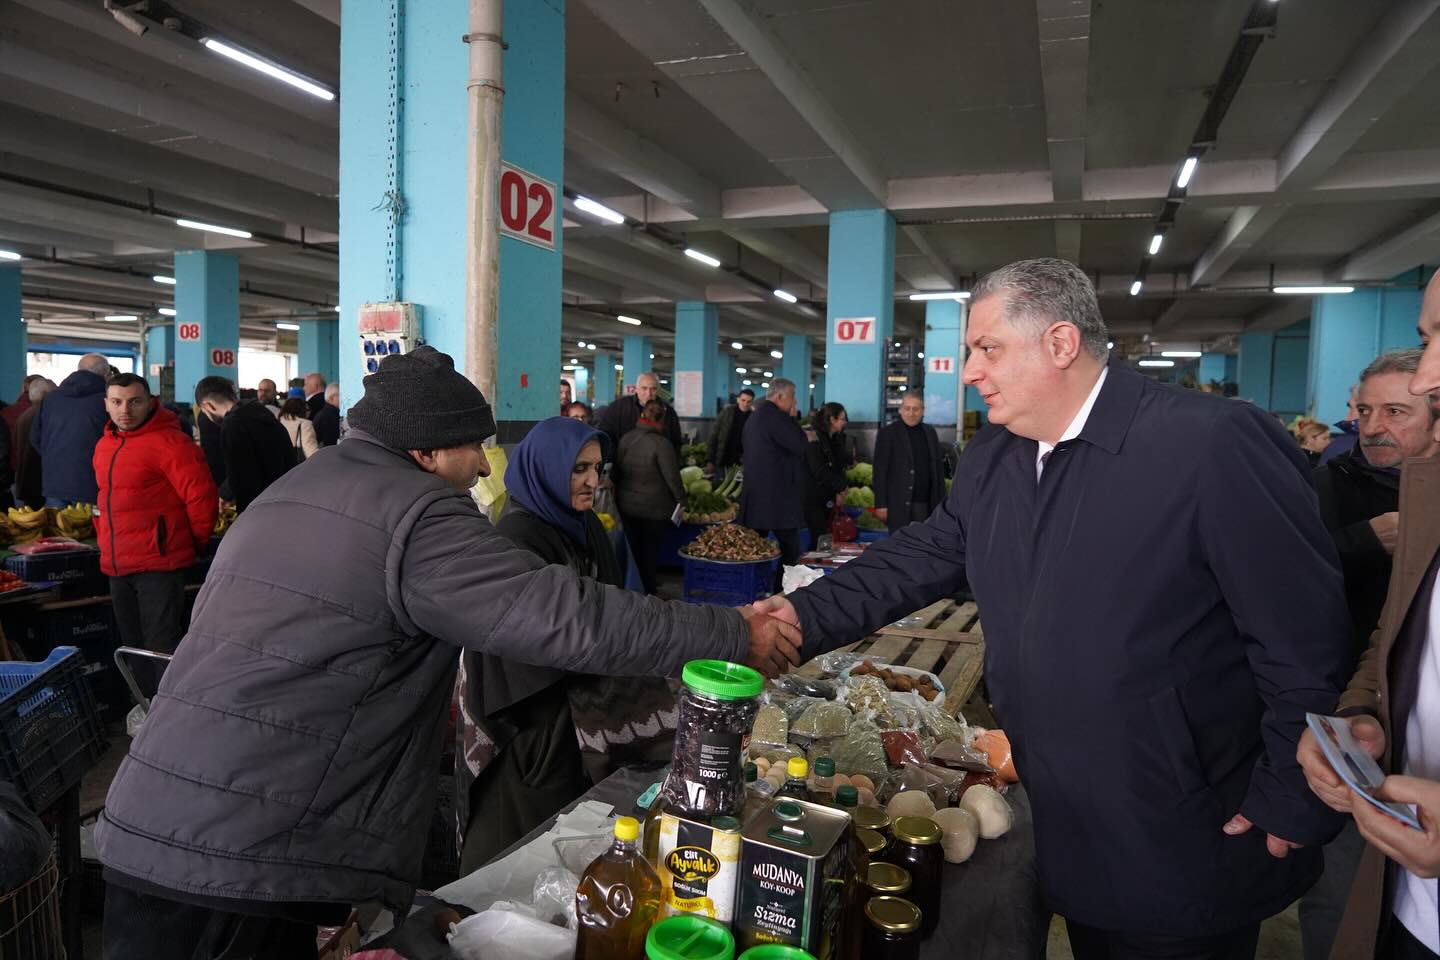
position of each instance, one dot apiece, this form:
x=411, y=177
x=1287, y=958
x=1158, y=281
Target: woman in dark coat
x=826, y=460
x=648, y=488
x=532, y=739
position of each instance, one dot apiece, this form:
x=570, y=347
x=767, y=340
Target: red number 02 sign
x=222, y=358
x=188, y=331
x=854, y=330
x=528, y=207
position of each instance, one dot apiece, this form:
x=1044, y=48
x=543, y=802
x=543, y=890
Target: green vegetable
x=868, y=521
x=689, y=475
x=698, y=486
x=860, y=497
x=729, y=486
x=694, y=454
x=860, y=475
x=704, y=502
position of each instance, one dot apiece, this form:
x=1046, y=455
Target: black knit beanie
x=416, y=401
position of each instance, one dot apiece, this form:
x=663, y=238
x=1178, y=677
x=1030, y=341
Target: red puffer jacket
x=157, y=500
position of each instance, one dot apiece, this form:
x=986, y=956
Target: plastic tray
x=725, y=582
x=50, y=729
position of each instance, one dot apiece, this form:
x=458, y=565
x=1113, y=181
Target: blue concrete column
x=637, y=357
x=694, y=384
x=160, y=352
x=207, y=297
x=861, y=311
x=796, y=367
x=404, y=131
x=12, y=333
x=944, y=333
x=1289, y=370
x=603, y=377
x=1212, y=367
x=818, y=394
x=320, y=349
x=581, y=380
x=1253, y=370
x=724, y=371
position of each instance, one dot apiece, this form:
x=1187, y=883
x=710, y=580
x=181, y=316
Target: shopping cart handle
x=128, y=672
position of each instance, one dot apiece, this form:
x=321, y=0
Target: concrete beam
x=327, y=9
x=1065, y=69
x=779, y=246
x=579, y=256
x=610, y=145
x=1246, y=227
x=588, y=288
x=937, y=262
x=1416, y=245
x=1398, y=53
x=1068, y=234
x=1286, y=312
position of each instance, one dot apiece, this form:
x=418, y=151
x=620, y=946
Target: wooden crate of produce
x=945, y=638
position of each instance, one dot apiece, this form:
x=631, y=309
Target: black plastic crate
x=91, y=629
x=50, y=727
x=77, y=571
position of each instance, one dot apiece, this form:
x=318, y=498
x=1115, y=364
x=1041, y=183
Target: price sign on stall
x=528, y=207
x=940, y=364
x=188, y=331
x=854, y=330
x=222, y=358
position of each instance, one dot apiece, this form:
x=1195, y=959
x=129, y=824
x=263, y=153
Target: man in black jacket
x=621, y=416
x=314, y=392
x=1138, y=552
x=909, y=480
x=773, y=499
x=256, y=447
x=727, y=441
x=327, y=421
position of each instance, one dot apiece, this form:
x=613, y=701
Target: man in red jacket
x=156, y=510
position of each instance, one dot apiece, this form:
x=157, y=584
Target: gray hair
x=1396, y=361
x=780, y=385
x=649, y=374
x=332, y=392
x=94, y=363
x=39, y=387
x=1046, y=290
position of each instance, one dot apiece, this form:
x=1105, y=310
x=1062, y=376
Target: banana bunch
x=224, y=519
x=28, y=525
x=77, y=521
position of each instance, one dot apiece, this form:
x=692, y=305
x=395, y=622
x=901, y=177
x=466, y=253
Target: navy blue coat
x=773, y=458
x=1160, y=611
x=67, y=427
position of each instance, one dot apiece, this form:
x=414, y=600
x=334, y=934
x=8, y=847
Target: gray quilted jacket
x=291, y=753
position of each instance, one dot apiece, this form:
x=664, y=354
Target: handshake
x=775, y=637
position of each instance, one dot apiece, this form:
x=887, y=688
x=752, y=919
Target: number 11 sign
x=854, y=330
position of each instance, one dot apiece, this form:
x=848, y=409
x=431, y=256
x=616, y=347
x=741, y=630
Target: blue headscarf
x=538, y=477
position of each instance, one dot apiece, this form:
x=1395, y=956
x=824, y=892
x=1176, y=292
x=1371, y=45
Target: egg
x=867, y=797
x=862, y=782
x=842, y=780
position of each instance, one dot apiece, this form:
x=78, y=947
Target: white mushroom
x=989, y=809
x=959, y=833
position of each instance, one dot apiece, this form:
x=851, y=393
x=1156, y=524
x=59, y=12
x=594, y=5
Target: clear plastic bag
x=824, y=719
x=940, y=725
x=869, y=698
x=834, y=664
x=507, y=932
x=796, y=707
x=799, y=686
x=771, y=729
x=861, y=751
x=554, y=897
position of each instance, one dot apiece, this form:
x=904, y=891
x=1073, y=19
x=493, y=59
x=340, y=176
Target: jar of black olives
x=717, y=708
x=915, y=846
x=892, y=929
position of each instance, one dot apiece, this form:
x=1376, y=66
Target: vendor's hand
x=778, y=607
x=774, y=644
x=1415, y=851
x=1324, y=782
x=1387, y=530
x=883, y=513
x=1279, y=847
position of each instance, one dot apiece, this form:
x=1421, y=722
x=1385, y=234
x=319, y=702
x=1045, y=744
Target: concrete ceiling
x=995, y=129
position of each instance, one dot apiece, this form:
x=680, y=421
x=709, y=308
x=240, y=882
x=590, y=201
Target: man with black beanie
x=287, y=767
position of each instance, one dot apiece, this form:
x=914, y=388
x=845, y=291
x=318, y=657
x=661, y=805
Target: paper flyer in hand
x=1354, y=764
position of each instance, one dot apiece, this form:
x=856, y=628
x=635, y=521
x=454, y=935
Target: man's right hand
x=774, y=643
x=1387, y=530
x=1324, y=782
x=778, y=607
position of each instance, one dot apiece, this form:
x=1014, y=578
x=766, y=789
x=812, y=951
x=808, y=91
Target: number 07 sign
x=854, y=330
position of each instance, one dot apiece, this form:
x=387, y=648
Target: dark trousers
x=142, y=927
x=1324, y=904
x=789, y=541
x=150, y=614
x=1400, y=944
x=644, y=537
x=1088, y=943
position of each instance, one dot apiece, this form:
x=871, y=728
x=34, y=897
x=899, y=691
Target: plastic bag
x=824, y=719
x=135, y=721
x=940, y=725
x=796, y=685
x=861, y=751
x=554, y=897
x=799, y=576
x=836, y=663
x=869, y=698
x=771, y=729
x=507, y=932
x=796, y=707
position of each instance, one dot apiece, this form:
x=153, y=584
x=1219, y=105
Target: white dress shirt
x=1076, y=425
x=1416, y=903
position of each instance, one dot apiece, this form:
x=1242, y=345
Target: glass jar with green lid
x=915, y=846
x=717, y=707
x=689, y=937
x=892, y=929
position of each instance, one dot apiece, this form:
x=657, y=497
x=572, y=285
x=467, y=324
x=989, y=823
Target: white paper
x=689, y=393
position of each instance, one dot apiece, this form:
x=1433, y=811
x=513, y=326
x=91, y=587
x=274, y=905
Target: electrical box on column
x=385, y=329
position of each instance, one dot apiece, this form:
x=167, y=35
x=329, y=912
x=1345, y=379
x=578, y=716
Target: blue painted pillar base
x=320, y=348
x=944, y=358
x=795, y=367
x=696, y=327
x=12, y=333
x=160, y=353
x=581, y=381
x=603, y=378
x=637, y=357
x=1257, y=354
x=1212, y=368
x=207, y=319
x=860, y=312
x=818, y=394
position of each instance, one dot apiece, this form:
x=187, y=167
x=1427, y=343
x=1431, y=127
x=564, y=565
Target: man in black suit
x=314, y=393
x=327, y=421
x=621, y=416
x=1135, y=549
x=909, y=480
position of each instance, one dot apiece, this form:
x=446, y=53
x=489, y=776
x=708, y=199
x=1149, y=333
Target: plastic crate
x=50, y=729
x=90, y=629
x=871, y=536
x=730, y=584
x=77, y=571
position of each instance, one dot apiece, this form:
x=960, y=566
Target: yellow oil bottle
x=618, y=899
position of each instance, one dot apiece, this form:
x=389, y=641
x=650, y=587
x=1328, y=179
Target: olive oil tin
x=794, y=864
x=698, y=864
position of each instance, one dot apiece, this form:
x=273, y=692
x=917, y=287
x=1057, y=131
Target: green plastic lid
x=776, y=951
x=847, y=796
x=725, y=824
x=752, y=773
x=824, y=767
x=722, y=680
x=689, y=937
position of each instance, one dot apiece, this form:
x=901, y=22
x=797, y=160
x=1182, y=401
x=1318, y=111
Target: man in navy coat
x=1137, y=551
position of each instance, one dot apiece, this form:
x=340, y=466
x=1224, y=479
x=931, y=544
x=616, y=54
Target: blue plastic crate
x=871, y=536
x=730, y=584
x=50, y=729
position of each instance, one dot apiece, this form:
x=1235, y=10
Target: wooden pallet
x=945, y=638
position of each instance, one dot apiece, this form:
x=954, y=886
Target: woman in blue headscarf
x=532, y=739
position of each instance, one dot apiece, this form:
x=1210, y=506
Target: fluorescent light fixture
x=742, y=369
x=598, y=210
x=619, y=366
x=769, y=373
x=904, y=388
x=950, y=295
x=580, y=344
x=664, y=383
x=1187, y=170
x=652, y=356
x=766, y=384
x=777, y=354
x=1135, y=288
x=812, y=386
x=1110, y=345
x=736, y=345
x=1317, y=289
x=121, y=318
x=704, y=258
x=1181, y=354
x=9, y=255
x=746, y=382
x=168, y=281
x=212, y=228
x=1157, y=363
x=897, y=344
x=589, y=346
x=787, y=296
x=1155, y=242
x=573, y=360
x=336, y=308
x=920, y=355
x=287, y=326
x=825, y=366
x=630, y=320
x=166, y=311
x=266, y=67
